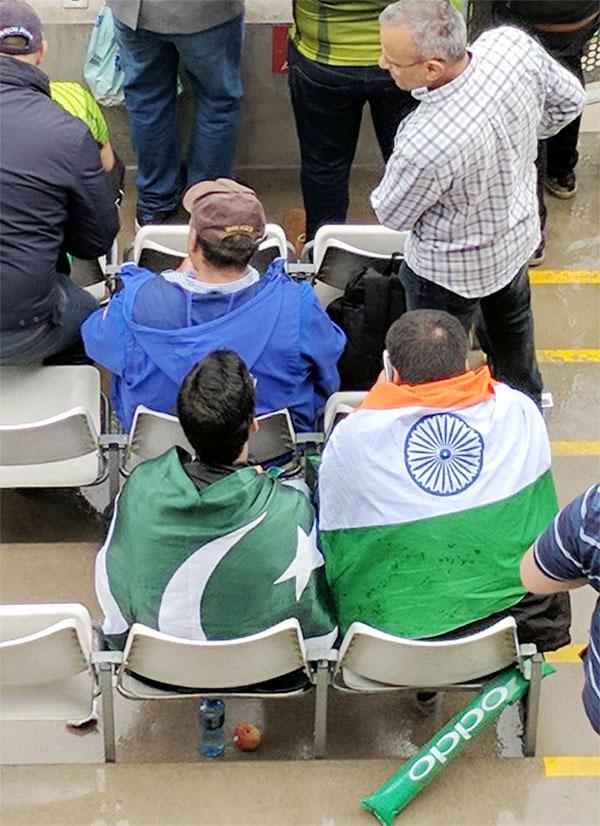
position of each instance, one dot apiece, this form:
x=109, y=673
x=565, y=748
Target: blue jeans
x=504, y=325
x=328, y=104
x=150, y=62
x=58, y=335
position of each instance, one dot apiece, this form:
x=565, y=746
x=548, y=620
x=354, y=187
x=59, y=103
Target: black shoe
x=564, y=187
x=170, y=216
x=540, y=253
x=427, y=702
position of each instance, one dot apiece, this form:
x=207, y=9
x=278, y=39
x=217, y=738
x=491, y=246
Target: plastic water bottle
x=211, y=731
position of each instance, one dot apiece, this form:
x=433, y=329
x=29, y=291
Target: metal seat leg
x=532, y=706
x=321, y=688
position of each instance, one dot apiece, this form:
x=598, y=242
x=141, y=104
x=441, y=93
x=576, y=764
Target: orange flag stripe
x=468, y=388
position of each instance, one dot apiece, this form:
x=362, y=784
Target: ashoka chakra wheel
x=443, y=454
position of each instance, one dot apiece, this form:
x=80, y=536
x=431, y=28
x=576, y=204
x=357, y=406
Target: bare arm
x=107, y=157
x=539, y=583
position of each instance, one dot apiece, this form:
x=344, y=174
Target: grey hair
x=437, y=28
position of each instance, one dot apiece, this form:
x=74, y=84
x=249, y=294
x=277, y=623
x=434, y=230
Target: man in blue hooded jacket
x=160, y=325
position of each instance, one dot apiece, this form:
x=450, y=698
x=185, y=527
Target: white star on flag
x=308, y=557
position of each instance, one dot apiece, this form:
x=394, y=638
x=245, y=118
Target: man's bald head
x=426, y=346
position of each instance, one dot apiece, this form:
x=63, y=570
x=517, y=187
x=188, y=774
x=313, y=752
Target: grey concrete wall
x=267, y=136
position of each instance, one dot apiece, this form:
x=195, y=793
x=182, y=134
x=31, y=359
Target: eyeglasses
x=407, y=65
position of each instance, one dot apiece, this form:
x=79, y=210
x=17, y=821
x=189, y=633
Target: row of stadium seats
x=69, y=446
x=53, y=668
x=336, y=254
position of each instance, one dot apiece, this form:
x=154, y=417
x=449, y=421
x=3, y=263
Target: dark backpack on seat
x=371, y=302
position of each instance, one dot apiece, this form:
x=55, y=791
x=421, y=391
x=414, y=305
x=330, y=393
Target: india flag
x=430, y=495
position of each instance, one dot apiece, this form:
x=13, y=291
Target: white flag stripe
x=492, y=451
x=114, y=621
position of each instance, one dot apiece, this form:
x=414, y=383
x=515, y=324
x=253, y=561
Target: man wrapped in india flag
x=432, y=490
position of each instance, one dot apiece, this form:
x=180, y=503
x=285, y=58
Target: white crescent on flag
x=179, y=612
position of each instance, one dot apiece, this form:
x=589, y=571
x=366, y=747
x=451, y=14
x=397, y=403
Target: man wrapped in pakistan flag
x=432, y=491
x=213, y=548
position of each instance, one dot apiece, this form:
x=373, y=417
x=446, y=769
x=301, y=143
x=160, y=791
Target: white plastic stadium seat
x=340, y=404
x=45, y=653
x=49, y=426
x=210, y=669
x=171, y=241
x=340, y=250
x=153, y=433
x=372, y=661
x=214, y=665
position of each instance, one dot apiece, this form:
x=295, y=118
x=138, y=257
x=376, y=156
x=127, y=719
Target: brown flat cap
x=223, y=208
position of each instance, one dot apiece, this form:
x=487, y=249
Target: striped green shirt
x=340, y=32
x=79, y=102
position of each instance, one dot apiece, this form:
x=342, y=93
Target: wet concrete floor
x=469, y=793
x=49, y=541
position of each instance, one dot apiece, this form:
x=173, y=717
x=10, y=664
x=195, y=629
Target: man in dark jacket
x=55, y=198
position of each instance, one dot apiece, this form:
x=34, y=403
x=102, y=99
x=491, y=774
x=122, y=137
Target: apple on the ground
x=246, y=737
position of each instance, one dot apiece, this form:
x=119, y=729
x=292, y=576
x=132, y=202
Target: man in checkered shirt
x=462, y=175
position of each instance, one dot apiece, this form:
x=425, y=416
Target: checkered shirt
x=462, y=175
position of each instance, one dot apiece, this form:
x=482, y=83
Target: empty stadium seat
x=49, y=426
x=46, y=656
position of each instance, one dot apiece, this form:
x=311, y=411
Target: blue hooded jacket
x=276, y=326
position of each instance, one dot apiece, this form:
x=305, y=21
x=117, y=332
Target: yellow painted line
x=589, y=356
x=575, y=448
x=566, y=654
x=565, y=277
x=588, y=766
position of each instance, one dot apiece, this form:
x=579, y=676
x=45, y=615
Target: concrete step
x=467, y=793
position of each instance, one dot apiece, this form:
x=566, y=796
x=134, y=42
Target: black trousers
x=557, y=156
x=328, y=103
x=504, y=325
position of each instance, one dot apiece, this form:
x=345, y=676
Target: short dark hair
x=234, y=251
x=427, y=345
x=215, y=406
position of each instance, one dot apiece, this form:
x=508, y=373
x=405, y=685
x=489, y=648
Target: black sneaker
x=564, y=187
x=427, y=702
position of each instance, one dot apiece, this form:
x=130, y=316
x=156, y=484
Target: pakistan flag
x=227, y=561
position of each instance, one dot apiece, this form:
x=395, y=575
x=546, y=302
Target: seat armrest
x=111, y=658
x=330, y=656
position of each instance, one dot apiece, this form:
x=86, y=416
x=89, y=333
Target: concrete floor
x=50, y=539
x=469, y=793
